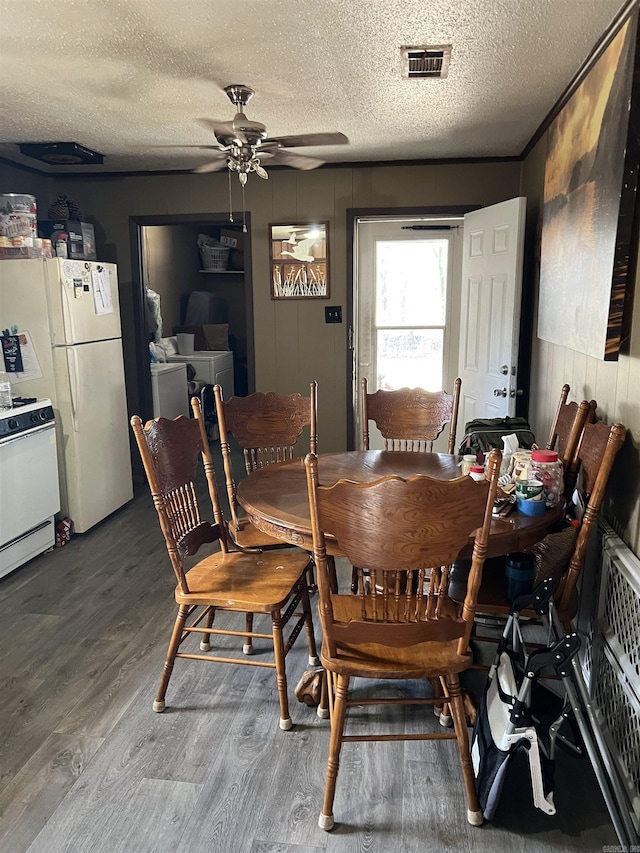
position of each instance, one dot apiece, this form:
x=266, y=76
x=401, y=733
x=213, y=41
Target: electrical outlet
x=333, y=314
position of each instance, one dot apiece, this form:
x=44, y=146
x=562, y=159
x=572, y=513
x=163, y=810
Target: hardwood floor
x=86, y=765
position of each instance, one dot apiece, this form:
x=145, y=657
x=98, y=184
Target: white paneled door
x=490, y=310
x=405, y=308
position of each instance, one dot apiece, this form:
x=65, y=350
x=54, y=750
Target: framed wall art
x=299, y=257
x=590, y=185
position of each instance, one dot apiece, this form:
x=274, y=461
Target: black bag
x=484, y=434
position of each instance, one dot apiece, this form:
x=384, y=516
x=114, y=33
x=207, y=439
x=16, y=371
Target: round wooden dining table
x=275, y=497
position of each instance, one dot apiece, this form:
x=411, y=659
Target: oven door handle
x=74, y=385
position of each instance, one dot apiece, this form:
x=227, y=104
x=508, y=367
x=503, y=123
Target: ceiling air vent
x=419, y=62
x=60, y=153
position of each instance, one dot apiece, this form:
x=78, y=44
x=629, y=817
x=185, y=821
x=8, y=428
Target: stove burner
x=23, y=401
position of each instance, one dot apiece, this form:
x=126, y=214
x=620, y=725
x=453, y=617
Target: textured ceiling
x=123, y=76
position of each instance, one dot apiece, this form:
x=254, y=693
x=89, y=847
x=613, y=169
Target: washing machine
x=169, y=390
x=212, y=367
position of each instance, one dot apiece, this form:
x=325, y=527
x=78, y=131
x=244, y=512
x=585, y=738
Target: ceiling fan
x=243, y=144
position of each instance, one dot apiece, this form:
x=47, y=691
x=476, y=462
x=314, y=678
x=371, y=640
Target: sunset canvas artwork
x=584, y=185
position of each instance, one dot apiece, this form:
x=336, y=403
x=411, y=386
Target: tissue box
x=81, y=241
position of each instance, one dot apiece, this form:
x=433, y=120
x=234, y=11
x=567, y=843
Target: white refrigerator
x=69, y=315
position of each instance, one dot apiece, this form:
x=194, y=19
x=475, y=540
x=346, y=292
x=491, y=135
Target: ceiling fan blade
x=224, y=130
x=212, y=165
x=296, y=161
x=200, y=147
x=307, y=139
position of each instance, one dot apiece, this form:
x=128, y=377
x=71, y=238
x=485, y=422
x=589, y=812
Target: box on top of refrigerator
x=80, y=238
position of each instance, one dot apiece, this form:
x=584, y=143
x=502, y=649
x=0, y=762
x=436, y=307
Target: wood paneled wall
x=614, y=385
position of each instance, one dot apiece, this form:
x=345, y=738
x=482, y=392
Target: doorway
x=182, y=271
x=406, y=306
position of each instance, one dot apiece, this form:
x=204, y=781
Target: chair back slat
x=402, y=535
x=410, y=419
x=260, y=457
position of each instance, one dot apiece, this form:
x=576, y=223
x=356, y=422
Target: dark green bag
x=484, y=434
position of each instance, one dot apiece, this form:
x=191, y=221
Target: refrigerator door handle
x=74, y=385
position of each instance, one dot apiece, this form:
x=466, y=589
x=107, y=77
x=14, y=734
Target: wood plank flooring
x=87, y=767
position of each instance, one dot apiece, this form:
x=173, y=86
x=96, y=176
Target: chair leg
x=474, y=813
x=167, y=669
x=281, y=675
x=333, y=577
x=323, y=706
x=354, y=580
x=338, y=715
x=437, y=692
x=205, y=642
x=314, y=660
x=445, y=711
x=312, y=586
x=247, y=648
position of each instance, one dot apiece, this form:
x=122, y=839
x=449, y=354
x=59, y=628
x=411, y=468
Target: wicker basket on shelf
x=214, y=258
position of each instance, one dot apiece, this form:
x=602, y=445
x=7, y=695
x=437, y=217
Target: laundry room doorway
x=169, y=263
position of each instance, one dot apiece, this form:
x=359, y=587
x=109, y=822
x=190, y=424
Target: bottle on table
x=6, y=400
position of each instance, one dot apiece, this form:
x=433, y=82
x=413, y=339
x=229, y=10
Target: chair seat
x=237, y=581
x=247, y=535
x=371, y=660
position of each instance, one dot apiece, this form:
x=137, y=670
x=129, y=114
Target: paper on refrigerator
x=101, y=291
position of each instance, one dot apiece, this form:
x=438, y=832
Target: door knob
x=499, y=392
x=504, y=370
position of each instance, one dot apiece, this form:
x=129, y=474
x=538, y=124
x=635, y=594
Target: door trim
x=353, y=214
x=136, y=224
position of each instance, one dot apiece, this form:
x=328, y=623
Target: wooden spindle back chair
x=274, y=584
x=566, y=430
x=267, y=428
x=402, y=625
x=410, y=418
x=594, y=457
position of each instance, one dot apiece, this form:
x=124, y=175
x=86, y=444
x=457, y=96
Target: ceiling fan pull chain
x=244, y=224
x=230, y=202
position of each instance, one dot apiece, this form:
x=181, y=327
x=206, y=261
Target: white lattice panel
x=619, y=607
x=618, y=712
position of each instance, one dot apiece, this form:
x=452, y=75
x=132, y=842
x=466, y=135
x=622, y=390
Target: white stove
x=29, y=488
